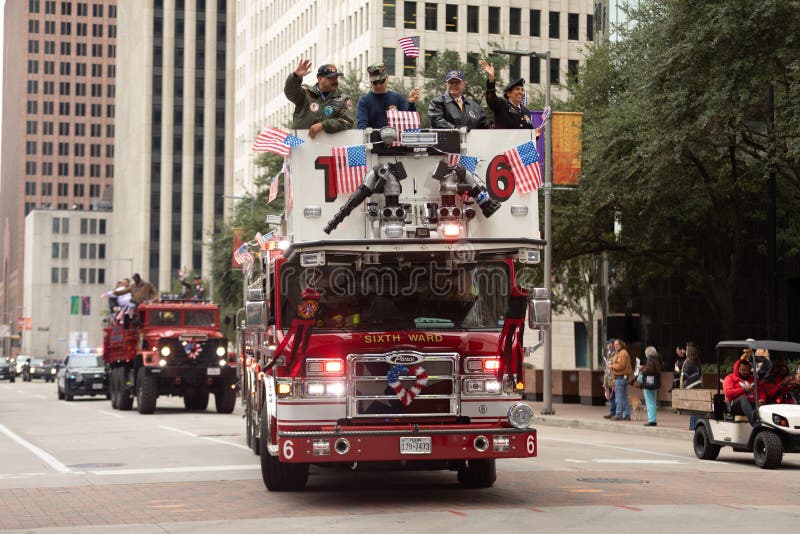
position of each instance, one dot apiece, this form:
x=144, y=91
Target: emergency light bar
x=425, y=139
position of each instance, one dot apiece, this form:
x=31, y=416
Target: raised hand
x=303, y=68
x=413, y=96
x=488, y=68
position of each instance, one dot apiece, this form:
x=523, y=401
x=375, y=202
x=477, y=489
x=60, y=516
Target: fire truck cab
x=173, y=347
x=389, y=330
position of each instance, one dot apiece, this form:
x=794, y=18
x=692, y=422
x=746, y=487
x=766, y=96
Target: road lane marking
x=215, y=440
x=575, y=461
x=112, y=414
x=634, y=461
x=617, y=447
x=633, y=508
x=160, y=470
x=40, y=453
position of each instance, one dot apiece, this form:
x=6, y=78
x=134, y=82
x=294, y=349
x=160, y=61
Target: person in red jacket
x=739, y=389
x=780, y=379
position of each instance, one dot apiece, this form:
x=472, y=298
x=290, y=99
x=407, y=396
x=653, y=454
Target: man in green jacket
x=320, y=107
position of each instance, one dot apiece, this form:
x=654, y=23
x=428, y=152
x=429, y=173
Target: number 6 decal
x=500, y=180
x=531, y=445
x=288, y=449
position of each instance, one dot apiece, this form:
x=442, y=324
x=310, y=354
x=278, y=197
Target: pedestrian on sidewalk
x=651, y=381
x=691, y=374
x=622, y=371
x=608, y=380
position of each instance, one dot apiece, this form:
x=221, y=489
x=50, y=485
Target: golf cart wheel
x=767, y=450
x=703, y=448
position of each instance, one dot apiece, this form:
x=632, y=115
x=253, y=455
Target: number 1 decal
x=326, y=165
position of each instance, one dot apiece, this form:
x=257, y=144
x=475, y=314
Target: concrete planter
x=534, y=379
x=565, y=387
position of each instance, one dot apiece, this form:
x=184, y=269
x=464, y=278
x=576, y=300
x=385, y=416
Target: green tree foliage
x=248, y=214
x=677, y=144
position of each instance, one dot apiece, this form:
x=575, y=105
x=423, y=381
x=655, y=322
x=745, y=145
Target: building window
x=92, y=226
x=63, y=149
x=83, y=251
x=63, y=189
x=389, y=13
x=55, y=250
x=56, y=225
x=101, y=251
x=30, y=188
x=47, y=107
x=54, y=271
x=535, y=70
x=84, y=226
x=514, y=67
x=47, y=150
x=101, y=227
x=473, y=58
x=93, y=250
x=97, y=10
x=64, y=67
x=33, y=6
x=473, y=23
x=66, y=29
x=47, y=188
x=65, y=250
x=572, y=68
x=31, y=127
x=94, y=190
x=47, y=166
x=515, y=21
x=410, y=15
x=451, y=17
x=66, y=49
x=554, y=69
x=49, y=67
x=554, y=23
x=409, y=66
x=30, y=148
x=63, y=170
x=388, y=60
x=33, y=26
x=50, y=47
x=33, y=66
x=31, y=107
x=66, y=8
x=33, y=46
x=82, y=275
x=30, y=168
x=29, y=206
x=101, y=276
x=64, y=275
x=77, y=189
x=589, y=27
x=572, y=26
x=47, y=128
x=79, y=170
x=431, y=13
x=109, y=171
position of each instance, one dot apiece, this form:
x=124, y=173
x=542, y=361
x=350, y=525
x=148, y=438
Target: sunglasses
x=378, y=82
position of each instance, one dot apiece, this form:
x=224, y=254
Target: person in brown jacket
x=140, y=290
x=621, y=370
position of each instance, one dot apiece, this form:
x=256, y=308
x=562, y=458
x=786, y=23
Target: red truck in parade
x=388, y=330
x=171, y=347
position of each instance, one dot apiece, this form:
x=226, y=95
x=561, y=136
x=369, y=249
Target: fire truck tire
x=124, y=397
x=60, y=395
x=114, y=389
x=146, y=392
x=67, y=396
x=252, y=433
x=279, y=476
x=196, y=400
x=225, y=398
x=478, y=474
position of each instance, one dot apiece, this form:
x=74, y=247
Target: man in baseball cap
x=319, y=107
x=454, y=109
x=372, y=107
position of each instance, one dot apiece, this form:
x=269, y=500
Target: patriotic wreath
x=193, y=350
x=407, y=396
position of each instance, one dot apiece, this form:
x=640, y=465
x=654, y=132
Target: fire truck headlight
x=223, y=362
x=315, y=389
x=162, y=362
x=284, y=389
x=52, y=371
x=520, y=415
x=221, y=351
x=493, y=386
x=166, y=351
x=335, y=389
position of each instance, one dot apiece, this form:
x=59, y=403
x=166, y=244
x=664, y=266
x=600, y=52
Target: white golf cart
x=775, y=428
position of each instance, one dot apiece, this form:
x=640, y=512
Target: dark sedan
x=82, y=374
x=41, y=368
x=7, y=370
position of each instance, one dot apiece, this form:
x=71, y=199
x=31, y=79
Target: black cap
x=514, y=83
x=328, y=71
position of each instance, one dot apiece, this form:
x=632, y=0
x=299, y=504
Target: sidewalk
x=670, y=424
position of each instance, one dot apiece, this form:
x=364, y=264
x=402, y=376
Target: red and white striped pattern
x=402, y=120
x=407, y=396
x=351, y=166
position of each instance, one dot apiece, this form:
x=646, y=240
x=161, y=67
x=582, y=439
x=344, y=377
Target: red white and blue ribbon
x=193, y=350
x=407, y=396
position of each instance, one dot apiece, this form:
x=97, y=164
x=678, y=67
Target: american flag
x=402, y=120
x=263, y=240
x=242, y=255
x=468, y=162
x=288, y=202
x=275, y=141
x=410, y=45
x=524, y=161
x=351, y=166
x=273, y=189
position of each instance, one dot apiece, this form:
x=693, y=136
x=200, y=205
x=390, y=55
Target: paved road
x=80, y=466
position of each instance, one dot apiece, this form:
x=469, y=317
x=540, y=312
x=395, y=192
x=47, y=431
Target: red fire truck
x=388, y=331
x=172, y=347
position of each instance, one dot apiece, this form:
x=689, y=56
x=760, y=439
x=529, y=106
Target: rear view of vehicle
x=177, y=349
x=83, y=374
x=7, y=370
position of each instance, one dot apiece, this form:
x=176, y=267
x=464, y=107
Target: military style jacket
x=506, y=115
x=443, y=112
x=335, y=112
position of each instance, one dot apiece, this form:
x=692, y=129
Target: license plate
x=97, y=386
x=415, y=445
x=213, y=371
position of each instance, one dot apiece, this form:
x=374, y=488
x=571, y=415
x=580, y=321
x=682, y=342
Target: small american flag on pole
x=262, y=240
x=275, y=141
x=410, y=45
x=402, y=120
x=242, y=255
x=524, y=161
x=468, y=162
x=273, y=189
x=351, y=166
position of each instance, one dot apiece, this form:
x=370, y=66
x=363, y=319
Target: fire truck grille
x=372, y=396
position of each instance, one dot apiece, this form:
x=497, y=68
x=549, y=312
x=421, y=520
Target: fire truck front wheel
x=225, y=398
x=195, y=399
x=478, y=474
x=146, y=392
x=279, y=476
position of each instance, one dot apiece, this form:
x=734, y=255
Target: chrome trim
x=402, y=432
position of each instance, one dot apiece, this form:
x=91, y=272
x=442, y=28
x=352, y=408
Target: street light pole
x=547, y=190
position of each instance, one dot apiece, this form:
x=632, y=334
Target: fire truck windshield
x=408, y=296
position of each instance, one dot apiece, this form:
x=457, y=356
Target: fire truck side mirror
x=539, y=313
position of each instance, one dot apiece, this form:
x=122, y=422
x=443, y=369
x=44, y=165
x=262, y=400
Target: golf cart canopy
x=783, y=346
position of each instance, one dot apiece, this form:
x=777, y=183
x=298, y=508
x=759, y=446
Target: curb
x=616, y=427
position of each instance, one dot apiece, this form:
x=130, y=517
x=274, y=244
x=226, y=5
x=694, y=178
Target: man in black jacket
x=454, y=109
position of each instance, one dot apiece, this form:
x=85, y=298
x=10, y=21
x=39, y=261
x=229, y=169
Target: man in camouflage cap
x=320, y=107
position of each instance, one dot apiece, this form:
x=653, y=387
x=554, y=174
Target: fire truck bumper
x=419, y=443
